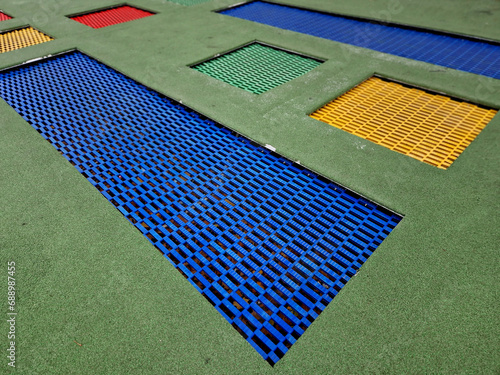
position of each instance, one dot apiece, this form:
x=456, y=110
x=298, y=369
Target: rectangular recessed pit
x=266, y=241
x=257, y=67
x=4, y=16
x=111, y=16
x=452, y=51
x=429, y=127
x=20, y=38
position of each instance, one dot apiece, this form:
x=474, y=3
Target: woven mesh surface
x=452, y=52
x=20, y=38
x=257, y=68
x=108, y=17
x=266, y=241
x=428, y=127
x=4, y=17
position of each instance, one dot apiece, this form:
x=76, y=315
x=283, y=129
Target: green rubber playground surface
x=95, y=297
x=189, y=2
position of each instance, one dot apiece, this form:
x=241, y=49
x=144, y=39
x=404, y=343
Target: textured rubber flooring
x=108, y=17
x=431, y=128
x=257, y=68
x=20, y=38
x=266, y=241
x=188, y=2
x=452, y=52
x=4, y=17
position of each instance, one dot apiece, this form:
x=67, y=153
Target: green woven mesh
x=257, y=68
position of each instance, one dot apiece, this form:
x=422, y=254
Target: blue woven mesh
x=452, y=52
x=266, y=241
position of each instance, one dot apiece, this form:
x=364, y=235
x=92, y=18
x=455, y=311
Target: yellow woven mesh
x=20, y=38
x=431, y=128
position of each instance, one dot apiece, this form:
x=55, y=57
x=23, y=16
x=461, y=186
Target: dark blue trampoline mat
x=266, y=241
x=453, y=52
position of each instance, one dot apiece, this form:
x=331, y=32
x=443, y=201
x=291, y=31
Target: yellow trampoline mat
x=428, y=127
x=20, y=38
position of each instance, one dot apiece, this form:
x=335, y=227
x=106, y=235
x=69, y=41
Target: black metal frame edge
x=7, y=14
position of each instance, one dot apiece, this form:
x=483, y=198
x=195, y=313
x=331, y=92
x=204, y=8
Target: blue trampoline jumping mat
x=266, y=241
x=474, y=56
